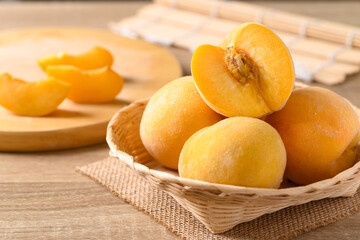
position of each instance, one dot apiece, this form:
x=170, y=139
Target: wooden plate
x=145, y=67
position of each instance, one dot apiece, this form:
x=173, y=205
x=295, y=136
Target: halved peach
x=96, y=57
x=250, y=74
x=31, y=98
x=88, y=86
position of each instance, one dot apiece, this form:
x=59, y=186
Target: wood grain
x=42, y=197
x=74, y=125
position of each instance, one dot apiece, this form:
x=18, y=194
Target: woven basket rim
x=187, y=184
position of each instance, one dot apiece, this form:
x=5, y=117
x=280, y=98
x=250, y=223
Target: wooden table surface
x=42, y=197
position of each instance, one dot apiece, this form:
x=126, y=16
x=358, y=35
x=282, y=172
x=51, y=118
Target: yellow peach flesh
x=267, y=72
x=88, y=86
x=96, y=57
x=31, y=98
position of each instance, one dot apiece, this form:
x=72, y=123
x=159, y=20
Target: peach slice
x=96, y=57
x=320, y=131
x=250, y=74
x=88, y=86
x=31, y=98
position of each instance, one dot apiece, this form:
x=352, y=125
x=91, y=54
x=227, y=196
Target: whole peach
x=238, y=151
x=320, y=130
x=173, y=114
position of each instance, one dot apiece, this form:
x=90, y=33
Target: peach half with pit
x=249, y=74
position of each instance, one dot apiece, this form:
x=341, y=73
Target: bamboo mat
x=323, y=51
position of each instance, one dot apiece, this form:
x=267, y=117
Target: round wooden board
x=144, y=66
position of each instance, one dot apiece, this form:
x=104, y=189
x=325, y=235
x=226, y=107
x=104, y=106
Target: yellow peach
x=96, y=57
x=88, y=86
x=320, y=130
x=239, y=151
x=31, y=98
x=250, y=74
x=172, y=115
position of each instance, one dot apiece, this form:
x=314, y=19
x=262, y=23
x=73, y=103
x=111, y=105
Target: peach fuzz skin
x=238, y=151
x=172, y=115
x=320, y=131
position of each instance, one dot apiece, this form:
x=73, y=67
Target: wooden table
x=42, y=197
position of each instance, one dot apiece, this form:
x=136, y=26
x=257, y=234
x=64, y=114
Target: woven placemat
x=284, y=224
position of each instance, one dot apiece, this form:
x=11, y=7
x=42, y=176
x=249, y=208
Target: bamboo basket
x=219, y=207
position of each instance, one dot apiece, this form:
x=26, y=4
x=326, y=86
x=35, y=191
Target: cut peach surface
x=88, y=86
x=250, y=74
x=96, y=57
x=31, y=98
